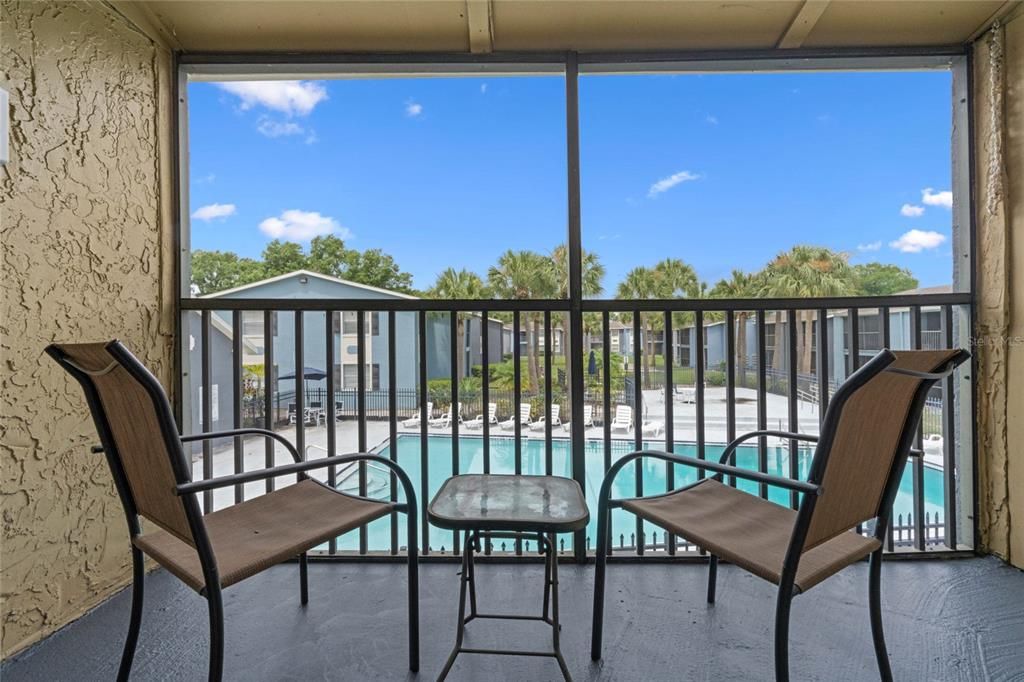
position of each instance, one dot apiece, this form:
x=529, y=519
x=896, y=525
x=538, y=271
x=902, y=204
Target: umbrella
x=592, y=364
x=310, y=373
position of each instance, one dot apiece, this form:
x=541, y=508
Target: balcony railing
x=693, y=409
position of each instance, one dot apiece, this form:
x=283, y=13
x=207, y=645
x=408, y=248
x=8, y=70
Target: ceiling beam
x=480, y=22
x=802, y=24
x=1001, y=14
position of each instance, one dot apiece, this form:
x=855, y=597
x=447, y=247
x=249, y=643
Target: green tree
x=214, y=271
x=881, y=279
x=524, y=275
x=740, y=285
x=328, y=255
x=280, y=258
x=455, y=284
x=808, y=272
x=377, y=269
x=640, y=283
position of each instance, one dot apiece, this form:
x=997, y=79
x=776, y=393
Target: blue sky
x=720, y=170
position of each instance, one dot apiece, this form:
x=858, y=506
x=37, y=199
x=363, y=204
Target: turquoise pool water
x=502, y=456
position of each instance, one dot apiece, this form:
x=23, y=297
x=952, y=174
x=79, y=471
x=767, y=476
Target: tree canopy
x=214, y=271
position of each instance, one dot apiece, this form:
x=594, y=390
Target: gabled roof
x=307, y=273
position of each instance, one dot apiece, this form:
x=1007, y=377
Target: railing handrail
x=563, y=305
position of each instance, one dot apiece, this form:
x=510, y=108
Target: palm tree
x=523, y=275
x=740, y=285
x=593, y=278
x=639, y=283
x=808, y=272
x=455, y=284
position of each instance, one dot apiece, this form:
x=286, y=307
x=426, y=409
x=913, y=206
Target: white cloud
x=712, y=120
x=213, y=211
x=911, y=211
x=413, y=109
x=665, y=184
x=932, y=198
x=301, y=226
x=288, y=97
x=206, y=179
x=483, y=88
x=871, y=246
x=272, y=128
x=916, y=241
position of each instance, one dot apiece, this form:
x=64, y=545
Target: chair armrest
x=242, y=432
x=730, y=449
x=297, y=468
x=718, y=468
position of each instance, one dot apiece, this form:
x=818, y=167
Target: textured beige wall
x=85, y=242
x=1000, y=290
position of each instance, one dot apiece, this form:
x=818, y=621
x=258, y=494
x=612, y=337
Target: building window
x=350, y=377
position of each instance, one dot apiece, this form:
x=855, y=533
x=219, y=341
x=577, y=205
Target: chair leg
x=601, y=561
x=414, y=593
x=712, y=578
x=216, y=634
x=783, y=603
x=303, y=579
x=138, y=579
x=875, y=608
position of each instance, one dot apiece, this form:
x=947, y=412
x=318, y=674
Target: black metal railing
x=613, y=403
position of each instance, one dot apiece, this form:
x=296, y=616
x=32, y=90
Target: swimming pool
x=502, y=458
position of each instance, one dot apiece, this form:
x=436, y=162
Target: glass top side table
x=488, y=506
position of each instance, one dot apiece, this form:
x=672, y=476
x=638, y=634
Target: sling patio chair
x=866, y=437
x=146, y=456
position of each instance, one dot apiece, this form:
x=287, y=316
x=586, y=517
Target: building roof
x=307, y=273
x=940, y=289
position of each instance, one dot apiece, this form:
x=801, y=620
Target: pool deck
x=684, y=426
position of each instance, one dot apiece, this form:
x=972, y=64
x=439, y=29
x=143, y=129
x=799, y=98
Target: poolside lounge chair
x=211, y=552
x=652, y=428
x=445, y=420
x=588, y=418
x=623, y=420
x=477, y=422
x=414, y=421
x=555, y=421
x=866, y=438
x=524, y=418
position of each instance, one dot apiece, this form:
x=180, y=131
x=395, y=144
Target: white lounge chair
x=652, y=428
x=477, y=422
x=414, y=421
x=588, y=418
x=623, y=418
x=524, y=418
x=445, y=420
x=538, y=425
x=687, y=394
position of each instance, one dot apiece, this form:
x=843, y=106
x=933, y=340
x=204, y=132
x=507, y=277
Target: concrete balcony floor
x=956, y=619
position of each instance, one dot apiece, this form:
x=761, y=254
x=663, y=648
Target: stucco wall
x=1000, y=265
x=84, y=242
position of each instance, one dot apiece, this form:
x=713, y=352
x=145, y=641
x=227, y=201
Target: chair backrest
x=588, y=412
x=866, y=437
x=492, y=410
x=556, y=410
x=430, y=409
x=623, y=413
x=524, y=412
x=136, y=427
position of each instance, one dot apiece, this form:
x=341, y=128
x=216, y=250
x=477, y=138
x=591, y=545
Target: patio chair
x=445, y=420
x=211, y=552
x=588, y=418
x=524, y=418
x=538, y=425
x=866, y=436
x=652, y=428
x=623, y=420
x=414, y=421
x=477, y=422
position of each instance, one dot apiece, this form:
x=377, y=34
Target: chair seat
x=751, y=532
x=254, y=535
